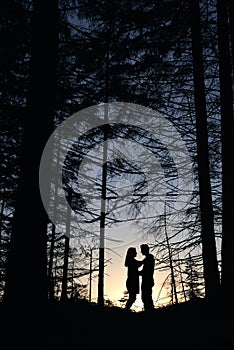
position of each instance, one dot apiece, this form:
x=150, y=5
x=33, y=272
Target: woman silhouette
x=132, y=282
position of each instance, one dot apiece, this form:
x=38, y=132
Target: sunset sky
x=149, y=178
x=116, y=272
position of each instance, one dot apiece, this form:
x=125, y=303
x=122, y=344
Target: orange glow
x=115, y=278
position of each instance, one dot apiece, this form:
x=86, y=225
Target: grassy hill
x=75, y=325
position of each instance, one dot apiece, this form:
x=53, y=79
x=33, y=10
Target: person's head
x=131, y=254
x=144, y=249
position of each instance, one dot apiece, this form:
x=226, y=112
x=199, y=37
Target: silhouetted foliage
x=141, y=52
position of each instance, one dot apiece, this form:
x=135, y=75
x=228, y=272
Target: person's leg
x=144, y=297
x=147, y=298
x=130, y=301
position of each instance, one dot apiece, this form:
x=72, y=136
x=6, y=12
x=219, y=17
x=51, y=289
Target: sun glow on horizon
x=115, y=281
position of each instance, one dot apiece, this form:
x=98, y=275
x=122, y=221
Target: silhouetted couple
x=133, y=274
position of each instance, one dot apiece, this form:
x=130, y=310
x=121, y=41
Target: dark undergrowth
x=81, y=325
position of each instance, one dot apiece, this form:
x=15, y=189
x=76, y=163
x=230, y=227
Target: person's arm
x=140, y=262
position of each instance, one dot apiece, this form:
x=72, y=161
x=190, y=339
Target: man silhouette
x=147, y=274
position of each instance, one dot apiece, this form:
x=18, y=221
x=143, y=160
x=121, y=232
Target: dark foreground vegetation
x=59, y=57
x=75, y=325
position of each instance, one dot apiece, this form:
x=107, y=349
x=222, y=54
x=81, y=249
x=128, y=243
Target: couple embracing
x=133, y=274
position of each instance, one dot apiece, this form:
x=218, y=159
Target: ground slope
x=75, y=325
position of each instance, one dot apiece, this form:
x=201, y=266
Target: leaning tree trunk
x=210, y=264
x=173, y=281
x=26, y=281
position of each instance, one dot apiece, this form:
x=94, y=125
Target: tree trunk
x=66, y=251
x=231, y=24
x=173, y=282
x=210, y=264
x=26, y=281
x=1, y=214
x=101, y=272
x=65, y=269
x=50, y=265
x=227, y=134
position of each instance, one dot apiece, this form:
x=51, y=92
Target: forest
x=152, y=82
